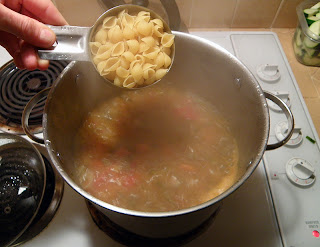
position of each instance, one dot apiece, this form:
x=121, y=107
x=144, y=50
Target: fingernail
x=43, y=64
x=47, y=36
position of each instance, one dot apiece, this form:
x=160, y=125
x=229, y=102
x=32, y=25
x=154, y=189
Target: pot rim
x=250, y=167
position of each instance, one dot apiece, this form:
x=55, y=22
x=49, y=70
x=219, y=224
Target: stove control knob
x=300, y=172
x=281, y=131
x=268, y=72
x=282, y=95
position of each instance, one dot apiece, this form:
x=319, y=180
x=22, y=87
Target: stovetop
x=271, y=209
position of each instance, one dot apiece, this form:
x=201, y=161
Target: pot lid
x=22, y=184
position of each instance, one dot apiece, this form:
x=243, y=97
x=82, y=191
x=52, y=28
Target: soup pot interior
x=200, y=66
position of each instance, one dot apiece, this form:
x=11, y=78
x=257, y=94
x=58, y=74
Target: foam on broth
x=154, y=150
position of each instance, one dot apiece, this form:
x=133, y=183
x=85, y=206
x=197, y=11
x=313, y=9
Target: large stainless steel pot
x=201, y=66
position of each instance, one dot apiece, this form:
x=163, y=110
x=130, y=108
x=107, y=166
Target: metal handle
x=26, y=114
x=289, y=116
x=72, y=44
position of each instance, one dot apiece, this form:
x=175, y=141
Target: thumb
x=26, y=28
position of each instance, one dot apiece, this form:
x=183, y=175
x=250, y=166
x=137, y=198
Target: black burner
x=130, y=239
x=17, y=87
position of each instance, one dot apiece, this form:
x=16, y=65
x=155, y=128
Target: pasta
x=132, y=50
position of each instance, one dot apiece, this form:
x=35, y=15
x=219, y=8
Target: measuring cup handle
x=284, y=107
x=26, y=114
x=72, y=44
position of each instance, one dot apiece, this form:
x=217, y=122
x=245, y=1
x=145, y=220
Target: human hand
x=22, y=30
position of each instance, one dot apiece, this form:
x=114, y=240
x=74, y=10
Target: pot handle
x=26, y=114
x=284, y=107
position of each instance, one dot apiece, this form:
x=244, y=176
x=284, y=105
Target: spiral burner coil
x=17, y=87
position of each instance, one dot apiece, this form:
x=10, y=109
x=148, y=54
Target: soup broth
x=154, y=150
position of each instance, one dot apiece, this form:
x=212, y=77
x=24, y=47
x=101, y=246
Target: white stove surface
x=268, y=210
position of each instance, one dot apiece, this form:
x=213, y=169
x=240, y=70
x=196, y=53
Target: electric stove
x=278, y=206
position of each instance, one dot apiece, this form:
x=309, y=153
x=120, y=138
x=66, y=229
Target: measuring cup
x=73, y=41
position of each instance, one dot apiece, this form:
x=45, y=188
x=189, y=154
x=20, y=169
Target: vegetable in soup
x=154, y=150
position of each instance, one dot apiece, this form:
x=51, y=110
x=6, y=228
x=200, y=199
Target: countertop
x=307, y=77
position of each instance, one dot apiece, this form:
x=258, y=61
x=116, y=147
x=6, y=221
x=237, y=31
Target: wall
x=202, y=13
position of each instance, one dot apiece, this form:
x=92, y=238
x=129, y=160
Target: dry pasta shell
x=127, y=21
x=149, y=41
x=122, y=72
x=101, y=68
x=101, y=36
x=137, y=72
x=148, y=66
x=140, y=58
x=150, y=80
x=96, y=60
x=161, y=73
x=104, y=48
x=145, y=28
x=115, y=34
x=133, y=63
x=148, y=73
x=111, y=75
x=142, y=18
x=128, y=33
x=118, y=81
x=167, y=40
x=159, y=60
x=148, y=60
x=157, y=22
x=129, y=82
x=118, y=49
x=151, y=53
x=109, y=22
x=94, y=46
x=124, y=63
x=112, y=64
x=120, y=15
x=104, y=56
x=158, y=31
x=143, y=47
x=128, y=55
x=167, y=60
x=141, y=81
x=156, y=40
x=133, y=46
x=143, y=13
x=166, y=50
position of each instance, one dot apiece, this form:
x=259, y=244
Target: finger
x=13, y=4
x=29, y=56
x=44, y=11
x=17, y=60
x=26, y=28
x=43, y=64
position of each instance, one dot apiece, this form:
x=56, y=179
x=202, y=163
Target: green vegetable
x=310, y=12
x=312, y=19
x=316, y=6
x=315, y=27
x=310, y=139
x=307, y=49
x=313, y=61
x=309, y=43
